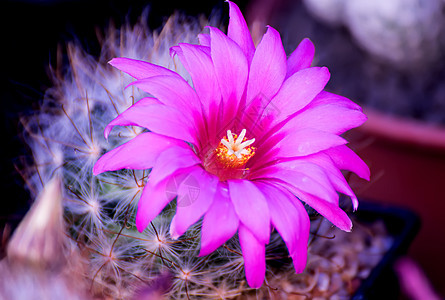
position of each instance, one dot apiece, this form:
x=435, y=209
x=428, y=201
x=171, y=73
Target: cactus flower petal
x=252, y=137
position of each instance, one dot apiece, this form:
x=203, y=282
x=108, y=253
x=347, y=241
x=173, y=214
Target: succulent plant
x=101, y=247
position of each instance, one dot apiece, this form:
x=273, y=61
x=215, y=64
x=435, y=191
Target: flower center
x=234, y=151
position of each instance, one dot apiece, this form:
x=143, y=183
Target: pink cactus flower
x=255, y=131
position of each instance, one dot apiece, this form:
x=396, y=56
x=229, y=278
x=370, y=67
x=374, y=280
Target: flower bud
x=39, y=238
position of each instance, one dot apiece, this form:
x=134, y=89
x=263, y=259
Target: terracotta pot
x=407, y=161
x=404, y=130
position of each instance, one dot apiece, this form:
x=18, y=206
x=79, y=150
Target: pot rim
x=403, y=129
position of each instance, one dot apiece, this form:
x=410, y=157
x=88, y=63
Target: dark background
x=31, y=31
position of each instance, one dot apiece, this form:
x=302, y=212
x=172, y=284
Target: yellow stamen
x=233, y=153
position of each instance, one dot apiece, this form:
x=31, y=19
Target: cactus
x=114, y=259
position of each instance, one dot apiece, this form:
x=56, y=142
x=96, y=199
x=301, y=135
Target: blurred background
x=386, y=55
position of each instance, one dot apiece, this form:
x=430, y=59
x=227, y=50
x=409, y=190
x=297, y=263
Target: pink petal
x=251, y=207
x=140, y=69
x=153, y=200
x=337, y=179
x=239, y=32
x=326, y=98
x=173, y=233
x=196, y=50
x=268, y=151
x=301, y=58
x=329, y=210
x=140, y=153
x=330, y=118
x=341, y=185
x=268, y=68
x=307, y=141
x=172, y=91
x=303, y=176
x=332, y=172
x=171, y=160
x=254, y=254
x=255, y=118
x=175, y=50
x=291, y=220
x=158, y=118
x=231, y=71
x=413, y=281
x=204, y=39
x=220, y=222
x=199, y=64
x=299, y=90
x=196, y=192
x=345, y=159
